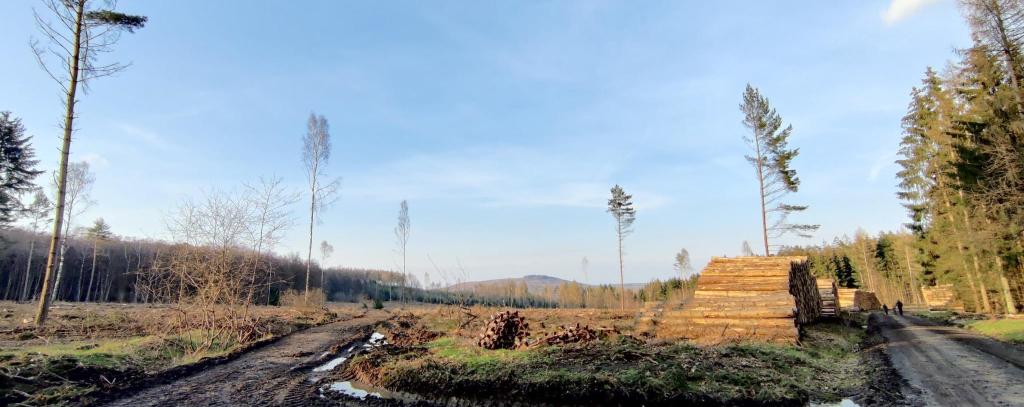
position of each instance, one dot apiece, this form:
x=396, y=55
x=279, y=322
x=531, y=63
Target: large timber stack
x=746, y=298
x=852, y=299
x=828, y=292
x=941, y=297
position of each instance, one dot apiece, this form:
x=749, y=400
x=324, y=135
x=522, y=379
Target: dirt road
x=261, y=377
x=949, y=366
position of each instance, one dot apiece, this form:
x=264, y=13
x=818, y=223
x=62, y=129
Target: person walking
x=899, y=307
x=885, y=307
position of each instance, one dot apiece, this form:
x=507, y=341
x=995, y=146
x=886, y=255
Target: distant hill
x=534, y=283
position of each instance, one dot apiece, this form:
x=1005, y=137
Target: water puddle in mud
x=348, y=389
x=843, y=403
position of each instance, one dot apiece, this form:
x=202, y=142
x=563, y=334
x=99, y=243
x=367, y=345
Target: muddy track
x=950, y=366
x=272, y=375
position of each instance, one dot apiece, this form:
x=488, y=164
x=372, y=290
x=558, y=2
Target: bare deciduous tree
x=268, y=201
x=621, y=207
x=38, y=213
x=77, y=199
x=70, y=57
x=316, y=151
x=326, y=250
x=402, y=231
x=682, y=263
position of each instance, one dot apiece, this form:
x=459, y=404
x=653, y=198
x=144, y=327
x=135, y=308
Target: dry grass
x=121, y=342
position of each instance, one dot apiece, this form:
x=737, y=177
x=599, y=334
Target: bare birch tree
x=74, y=42
x=402, y=231
x=621, y=207
x=326, y=250
x=39, y=216
x=682, y=264
x=316, y=151
x=772, y=157
x=77, y=199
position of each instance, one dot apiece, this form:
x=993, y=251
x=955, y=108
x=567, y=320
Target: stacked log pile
x=854, y=299
x=866, y=301
x=828, y=292
x=845, y=298
x=746, y=298
x=941, y=297
x=504, y=330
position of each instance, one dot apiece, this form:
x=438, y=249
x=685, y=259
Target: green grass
x=941, y=317
x=1009, y=330
x=622, y=369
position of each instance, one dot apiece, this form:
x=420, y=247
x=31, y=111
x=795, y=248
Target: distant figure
x=885, y=308
x=899, y=307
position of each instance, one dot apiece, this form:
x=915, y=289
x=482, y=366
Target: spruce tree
x=772, y=159
x=17, y=167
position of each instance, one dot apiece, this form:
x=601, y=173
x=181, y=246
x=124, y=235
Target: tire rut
x=265, y=376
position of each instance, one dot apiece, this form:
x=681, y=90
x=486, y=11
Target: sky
x=504, y=124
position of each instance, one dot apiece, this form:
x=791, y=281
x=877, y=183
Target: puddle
x=375, y=340
x=843, y=403
x=326, y=367
x=348, y=389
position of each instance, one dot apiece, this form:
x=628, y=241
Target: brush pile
x=570, y=334
x=504, y=330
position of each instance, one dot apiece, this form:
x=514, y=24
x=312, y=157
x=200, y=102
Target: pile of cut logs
x=505, y=330
x=866, y=301
x=828, y=291
x=570, y=334
x=746, y=298
x=941, y=297
x=853, y=299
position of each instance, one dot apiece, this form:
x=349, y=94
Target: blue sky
x=503, y=123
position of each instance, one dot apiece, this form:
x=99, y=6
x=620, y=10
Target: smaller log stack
x=845, y=298
x=828, y=292
x=941, y=297
x=746, y=298
x=866, y=301
x=504, y=330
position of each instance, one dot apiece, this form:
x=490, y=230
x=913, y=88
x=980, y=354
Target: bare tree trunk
x=622, y=278
x=915, y=293
x=760, y=182
x=309, y=253
x=28, y=269
x=58, y=219
x=92, y=274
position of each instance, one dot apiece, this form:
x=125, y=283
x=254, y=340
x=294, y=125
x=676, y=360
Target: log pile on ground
x=746, y=298
x=866, y=301
x=505, y=330
x=827, y=290
x=941, y=297
x=570, y=334
x=845, y=298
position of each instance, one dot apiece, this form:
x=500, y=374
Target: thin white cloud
x=499, y=177
x=146, y=136
x=95, y=160
x=899, y=10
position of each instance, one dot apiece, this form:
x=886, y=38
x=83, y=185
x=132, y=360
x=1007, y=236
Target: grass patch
x=940, y=317
x=1009, y=330
x=626, y=370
